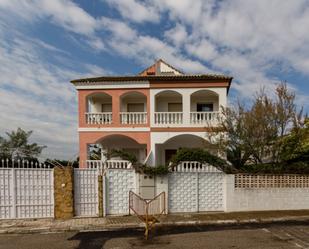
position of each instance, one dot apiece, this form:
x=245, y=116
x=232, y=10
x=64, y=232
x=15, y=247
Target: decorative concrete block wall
x=195, y=191
x=257, y=193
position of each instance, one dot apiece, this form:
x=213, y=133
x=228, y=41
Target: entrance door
x=168, y=155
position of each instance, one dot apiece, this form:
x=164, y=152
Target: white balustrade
x=165, y=118
x=203, y=117
x=108, y=164
x=193, y=166
x=99, y=117
x=133, y=117
x=118, y=164
x=94, y=164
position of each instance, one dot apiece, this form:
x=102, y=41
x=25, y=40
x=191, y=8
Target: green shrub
x=124, y=155
x=297, y=167
x=202, y=156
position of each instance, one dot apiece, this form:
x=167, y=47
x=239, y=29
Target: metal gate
x=195, y=188
x=86, y=201
x=26, y=193
x=118, y=184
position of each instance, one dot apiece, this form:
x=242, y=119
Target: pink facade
x=143, y=113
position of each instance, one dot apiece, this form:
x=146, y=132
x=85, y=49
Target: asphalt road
x=282, y=236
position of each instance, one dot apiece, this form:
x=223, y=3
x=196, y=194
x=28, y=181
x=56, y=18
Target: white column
x=152, y=106
x=222, y=97
x=186, y=105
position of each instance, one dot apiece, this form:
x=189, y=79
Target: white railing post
x=13, y=192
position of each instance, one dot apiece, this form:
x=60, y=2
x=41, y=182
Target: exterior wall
x=116, y=108
x=162, y=105
x=259, y=199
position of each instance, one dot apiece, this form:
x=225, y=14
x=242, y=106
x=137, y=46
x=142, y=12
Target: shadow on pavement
x=97, y=240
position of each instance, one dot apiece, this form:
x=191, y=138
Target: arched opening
x=133, y=108
x=99, y=108
x=204, y=106
x=168, y=107
x=122, y=142
x=166, y=150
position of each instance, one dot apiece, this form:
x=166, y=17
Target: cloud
x=136, y=11
x=61, y=12
x=176, y=35
x=35, y=94
x=144, y=49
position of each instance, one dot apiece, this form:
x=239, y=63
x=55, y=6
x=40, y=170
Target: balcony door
x=135, y=107
x=106, y=107
x=204, y=107
x=174, y=107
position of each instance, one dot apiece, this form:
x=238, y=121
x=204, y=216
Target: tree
x=17, y=146
x=295, y=146
x=255, y=134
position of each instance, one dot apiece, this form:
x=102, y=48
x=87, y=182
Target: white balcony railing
x=133, y=117
x=99, y=117
x=164, y=118
x=199, y=118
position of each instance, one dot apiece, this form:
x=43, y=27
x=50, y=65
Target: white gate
x=26, y=193
x=86, y=190
x=118, y=184
x=182, y=192
x=193, y=187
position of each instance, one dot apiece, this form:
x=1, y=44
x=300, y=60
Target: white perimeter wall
x=258, y=199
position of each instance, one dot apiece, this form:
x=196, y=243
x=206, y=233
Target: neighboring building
x=151, y=114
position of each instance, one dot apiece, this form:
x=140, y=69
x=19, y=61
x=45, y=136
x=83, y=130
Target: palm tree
x=16, y=146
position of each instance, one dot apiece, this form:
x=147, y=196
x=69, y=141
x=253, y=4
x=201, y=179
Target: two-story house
x=151, y=114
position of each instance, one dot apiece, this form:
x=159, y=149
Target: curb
x=46, y=230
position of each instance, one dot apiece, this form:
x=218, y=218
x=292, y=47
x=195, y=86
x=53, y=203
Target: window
x=202, y=107
x=136, y=107
x=174, y=107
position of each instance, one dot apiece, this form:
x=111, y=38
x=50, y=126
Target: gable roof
x=160, y=67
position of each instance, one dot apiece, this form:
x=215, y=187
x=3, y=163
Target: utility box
x=146, y=186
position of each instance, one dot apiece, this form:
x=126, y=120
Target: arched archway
x=168, y=101
x=133, y=108
x=123, y=142
x=204, y=106
x=99, y=108
x=99, y=102
x=204, y=101
x=168, y=148
x=168, y=108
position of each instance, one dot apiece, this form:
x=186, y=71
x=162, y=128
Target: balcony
x=99, y=117
x=170, y=108
x=203, y=118
x=168, y=118
x=133, y=117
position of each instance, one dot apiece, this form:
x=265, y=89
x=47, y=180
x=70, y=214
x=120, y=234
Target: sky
x=46, y=43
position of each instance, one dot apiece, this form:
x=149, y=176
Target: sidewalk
x=123, y=222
